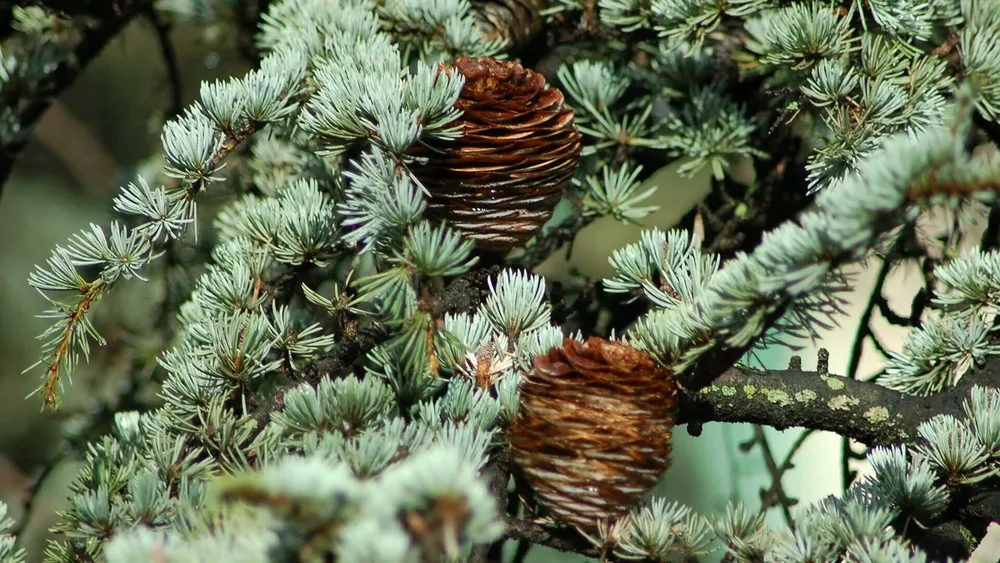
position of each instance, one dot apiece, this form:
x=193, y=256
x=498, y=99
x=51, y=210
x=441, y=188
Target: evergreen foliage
x=342, y=372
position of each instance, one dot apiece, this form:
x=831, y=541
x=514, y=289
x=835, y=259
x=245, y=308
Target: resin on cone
x=592, y=434
x=500, y=180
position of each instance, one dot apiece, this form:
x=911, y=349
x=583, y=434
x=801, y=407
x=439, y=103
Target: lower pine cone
x=592, y=434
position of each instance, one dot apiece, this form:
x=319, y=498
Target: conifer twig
x=91, y=292
x=774, y=495
x=30, y=495
x=169, y=56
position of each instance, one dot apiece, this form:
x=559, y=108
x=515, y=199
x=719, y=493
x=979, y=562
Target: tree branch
x=34, y=102
x=169, y=56
x=774, y=495
x=864, y=411
x=545, y=245
x=497, y=473
x=563, y=539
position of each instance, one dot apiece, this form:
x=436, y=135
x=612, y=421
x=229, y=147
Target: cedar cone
x=499, y=182
x=592, y=435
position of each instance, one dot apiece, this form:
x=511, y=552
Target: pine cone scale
x=592, y=435
x=552, y=187
x=537, y=148
x=531, y=123
x=539, y=202
x=504, y=207
x=522, y=167
x=525, y=162
x=553, y=141
x=511, y=216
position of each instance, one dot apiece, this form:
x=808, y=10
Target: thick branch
x=497, y=474
x=864, y=411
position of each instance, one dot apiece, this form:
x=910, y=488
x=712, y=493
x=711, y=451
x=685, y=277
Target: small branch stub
x=592, y=435
x=499, y=182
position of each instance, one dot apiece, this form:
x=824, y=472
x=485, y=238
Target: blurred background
x=107, y=124
x=93, y=139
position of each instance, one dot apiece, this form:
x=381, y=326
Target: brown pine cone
x=500, y=181
x=592, y=435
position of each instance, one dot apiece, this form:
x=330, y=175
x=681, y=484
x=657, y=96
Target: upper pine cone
x=519, y=148
x=592, y=432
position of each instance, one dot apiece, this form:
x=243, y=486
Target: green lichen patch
x=877, y=414
x=777, y=396
x=834, y=383
x=843, y=402
x=806, y=396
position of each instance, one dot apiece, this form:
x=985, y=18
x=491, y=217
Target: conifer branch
x=562, y=539
x=860, y=410
x=74, y=327
x=63, y=349
x=775, y=495
x=375, y=417
x=33, y=102
x=965, y=177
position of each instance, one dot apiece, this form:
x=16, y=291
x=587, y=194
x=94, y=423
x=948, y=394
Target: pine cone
x=500, y=181
x=592, y=435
